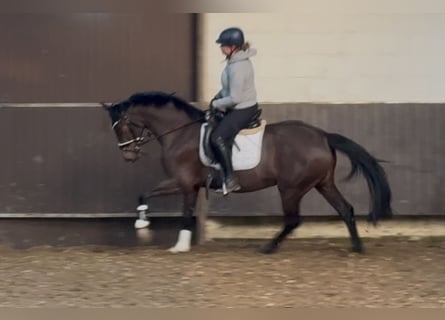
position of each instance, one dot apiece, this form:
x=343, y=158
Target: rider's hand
x=208, y=114
x=211, y=107
x=212, y=110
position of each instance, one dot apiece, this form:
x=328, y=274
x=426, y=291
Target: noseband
x=139, y=140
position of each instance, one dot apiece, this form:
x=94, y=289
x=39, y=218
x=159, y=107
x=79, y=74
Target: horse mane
x=159, y=99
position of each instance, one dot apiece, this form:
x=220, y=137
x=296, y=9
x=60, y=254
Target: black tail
x=363, y=162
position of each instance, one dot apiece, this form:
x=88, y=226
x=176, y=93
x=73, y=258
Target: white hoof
x=176, y=249
x=184, y=242
x=140, y=224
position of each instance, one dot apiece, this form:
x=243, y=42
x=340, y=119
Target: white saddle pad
x=248, y=156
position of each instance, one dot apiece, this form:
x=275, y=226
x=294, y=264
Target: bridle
x=139, y=139
x=145, y=135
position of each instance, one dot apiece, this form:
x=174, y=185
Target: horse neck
x=165, y=119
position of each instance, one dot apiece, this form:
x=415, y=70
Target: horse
x=295, y=157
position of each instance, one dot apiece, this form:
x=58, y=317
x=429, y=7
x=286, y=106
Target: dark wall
x=408, y=136
x=92, y=57
x=65, y=160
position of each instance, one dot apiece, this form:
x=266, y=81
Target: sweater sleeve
x=236, y=79
x=218, y=95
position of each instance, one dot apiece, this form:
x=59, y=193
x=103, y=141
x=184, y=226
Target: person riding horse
x=296, y=156
x=237, y=99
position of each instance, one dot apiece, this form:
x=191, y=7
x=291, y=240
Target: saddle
x=246, y=152
x=254, y=123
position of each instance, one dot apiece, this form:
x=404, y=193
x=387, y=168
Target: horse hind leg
x=290, y=200
x=330, y=192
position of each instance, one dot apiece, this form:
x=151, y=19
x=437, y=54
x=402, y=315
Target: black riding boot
x=225, y=157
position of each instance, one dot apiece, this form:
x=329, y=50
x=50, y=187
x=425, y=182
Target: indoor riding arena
x=73, y=232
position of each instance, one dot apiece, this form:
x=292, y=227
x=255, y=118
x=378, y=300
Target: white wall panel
x=337, y=51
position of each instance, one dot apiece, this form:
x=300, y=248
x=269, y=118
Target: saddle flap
x=206, y=133
x=246, y=152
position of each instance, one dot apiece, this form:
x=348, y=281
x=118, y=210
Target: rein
x=141, y=139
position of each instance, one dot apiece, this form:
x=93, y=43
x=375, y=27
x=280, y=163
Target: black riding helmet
x=231, y=37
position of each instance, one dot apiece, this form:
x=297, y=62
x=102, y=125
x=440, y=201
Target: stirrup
x=224, y=190
x=236, y=187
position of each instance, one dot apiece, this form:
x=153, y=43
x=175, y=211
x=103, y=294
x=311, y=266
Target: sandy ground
x=411, y=228
x=310, y=272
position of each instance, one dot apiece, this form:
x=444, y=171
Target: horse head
x=129, y=130
x=149, y=114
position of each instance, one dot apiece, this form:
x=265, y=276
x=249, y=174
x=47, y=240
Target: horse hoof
x=268, y=249
x=140, y=224
x=357, y=249
x=178, y=250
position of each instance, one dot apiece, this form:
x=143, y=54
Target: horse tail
x=364, y=163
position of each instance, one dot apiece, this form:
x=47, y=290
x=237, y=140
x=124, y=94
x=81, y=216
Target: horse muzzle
x=131, y=155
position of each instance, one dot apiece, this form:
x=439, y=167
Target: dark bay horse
x=296, y=157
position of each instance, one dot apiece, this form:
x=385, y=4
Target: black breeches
x=232, y=123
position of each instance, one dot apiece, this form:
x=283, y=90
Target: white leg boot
x=184, y=242
x=142, y=221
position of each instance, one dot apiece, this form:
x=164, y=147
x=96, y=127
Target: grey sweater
x=238, y=85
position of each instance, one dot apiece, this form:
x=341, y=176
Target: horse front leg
x=185, y=234
x=165, y=187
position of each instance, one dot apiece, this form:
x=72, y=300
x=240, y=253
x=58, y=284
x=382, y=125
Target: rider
x=237, y=99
